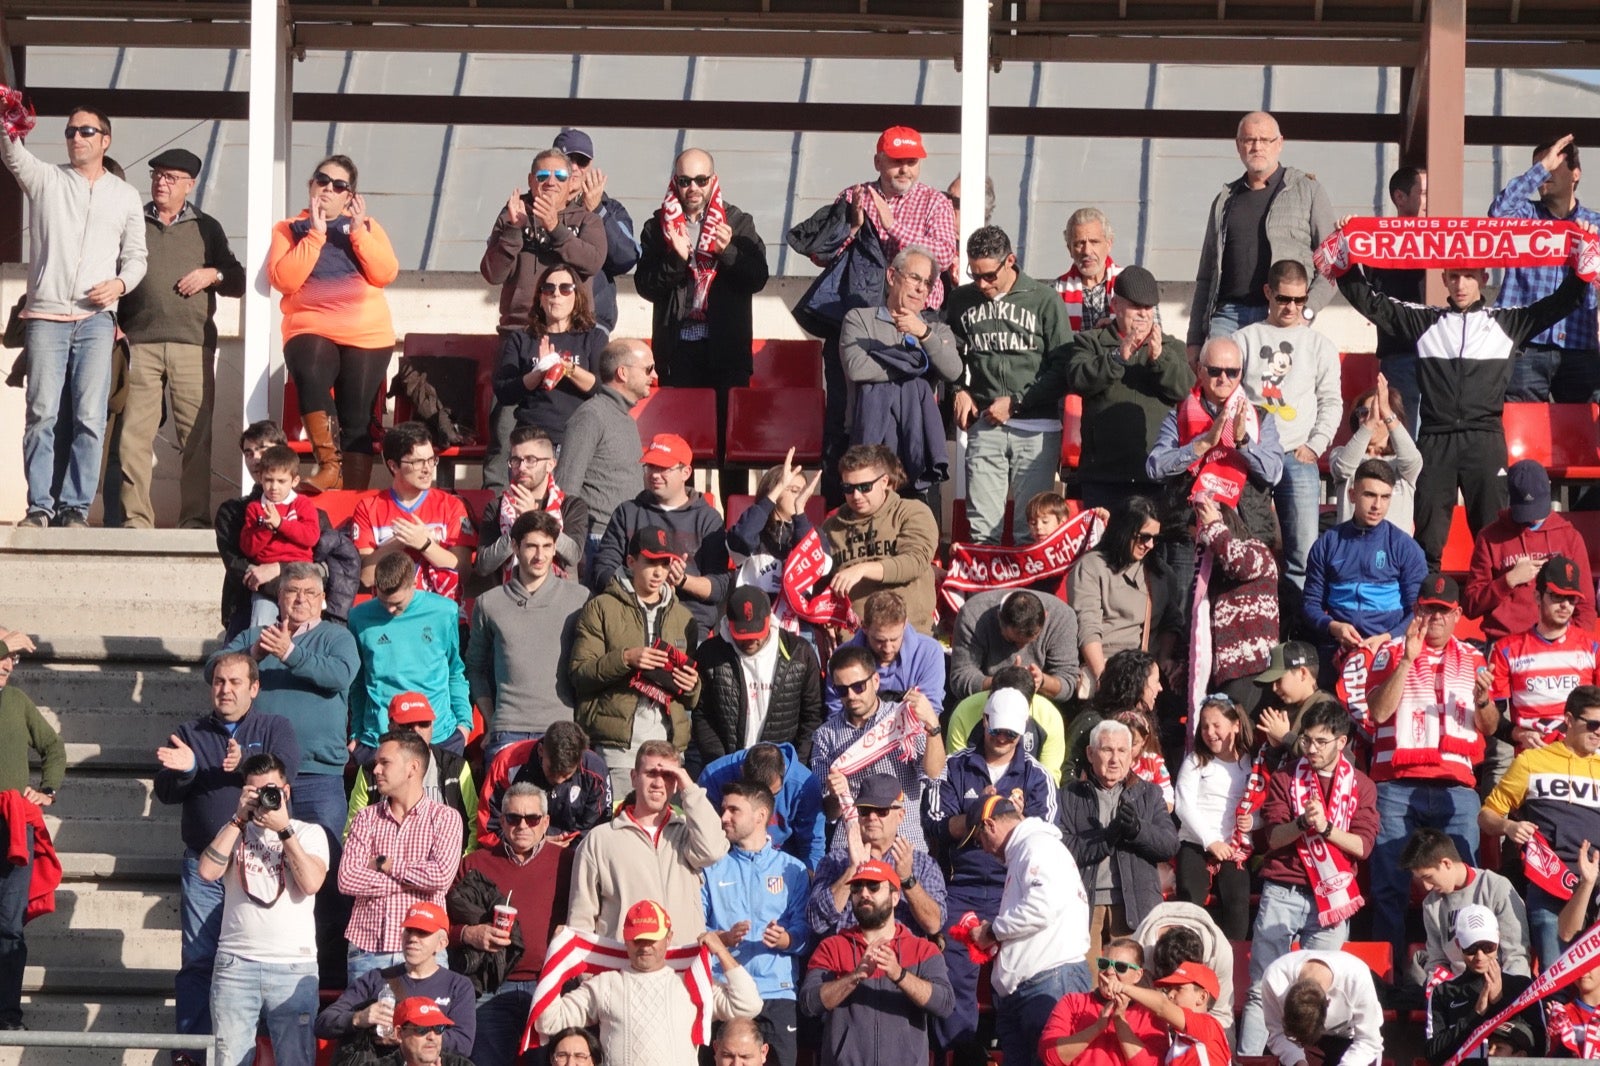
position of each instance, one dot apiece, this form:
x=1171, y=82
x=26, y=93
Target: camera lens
x=269, y=797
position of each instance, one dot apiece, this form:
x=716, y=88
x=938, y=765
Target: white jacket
x=1043, y=921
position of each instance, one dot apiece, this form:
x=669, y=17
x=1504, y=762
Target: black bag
x=358, y=1049
x=443, y=393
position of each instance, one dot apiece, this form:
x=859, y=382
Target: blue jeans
x=14, y=882
x=1229, y=318
x=503, y=739
x=1019, y=1018
x=1297, y=495
x=1544, y=912
x=201, y=915
x=320, y=800
x=1001, y=459
x=74, y=356
x=501, y=1019
x=1400, y=370
x=1287, y=914
x=283, y=994
x=1403, y=808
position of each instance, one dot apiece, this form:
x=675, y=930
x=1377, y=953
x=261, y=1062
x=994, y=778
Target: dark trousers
x=1471, y=460
x=779, y=1021
x=1543, y=373
x=696, y=365
x=338, y=380
x=1232, y=885
x=958, y=1031
x=835, y=432
x=14, y=882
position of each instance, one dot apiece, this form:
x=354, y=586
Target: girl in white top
x=1378, y=431
x=1211, y=782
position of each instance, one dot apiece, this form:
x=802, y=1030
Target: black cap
x=1138, y=286
x=749, y=613
x=1528, y=485
x=1286, y=657
x=982, y=808
x=1560, y=574
x=880, y=792
x=574, y=142
x=177, y=159
x=1439, y=590
x=650, y=542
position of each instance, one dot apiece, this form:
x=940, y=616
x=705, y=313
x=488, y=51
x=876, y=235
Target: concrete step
x=90, y=865
x=101, y=958
x=92, y=795
x=116, y=836
x=75, y=1014
x=115, y=905
x=114, y=716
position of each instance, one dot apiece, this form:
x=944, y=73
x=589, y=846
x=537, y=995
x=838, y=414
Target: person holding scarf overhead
x=700, y=264
x=331, y=263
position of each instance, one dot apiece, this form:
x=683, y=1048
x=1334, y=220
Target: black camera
x=269, y=797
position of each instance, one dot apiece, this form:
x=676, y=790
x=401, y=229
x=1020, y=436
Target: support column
x=271, y=92
x=1436, y=123
x=974, y=121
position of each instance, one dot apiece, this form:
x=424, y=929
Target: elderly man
x=903, y=974
x=1012, y=330
x=1118, y=828
x=701, y=262
x=598, y=457
x=1269, y=213
x=88, y=253
x=644, y=1012
x=1130, y=375
x=1019, y=628
x=1090, y=282
x=894, y=356
x=588, y=189
x=172, y=337
x=876, y=834
x=532, y=875
x=421, y=1025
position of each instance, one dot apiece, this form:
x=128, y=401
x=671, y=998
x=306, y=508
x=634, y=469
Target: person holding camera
x=266, y=965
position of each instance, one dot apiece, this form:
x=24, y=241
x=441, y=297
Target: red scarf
x=16, y=115
x=1255, y=794
x=1330, y=871
x=1575, y=1027
x=1545, y=868
x=1435, y=713
x=1464, y=243
x=977, y=568
x=703, y=260
x=1222, y=471
x=1579, y=959
x=808, y=563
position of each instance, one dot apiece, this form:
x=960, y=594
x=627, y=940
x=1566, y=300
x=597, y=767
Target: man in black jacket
x=700, y=264
x=759, y=684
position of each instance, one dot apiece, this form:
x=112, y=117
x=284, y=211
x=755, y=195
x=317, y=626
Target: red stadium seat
x=1574, y=441
x=480, y=354
x=1072, y=431
x=786, y=364
x=476, y=500
x=1378, y=955
x=339, y=505
x=1457, y=556
x=1587, y=523
x=295, y=430
x=763, y=424
x=690, y=413
x=739, y=503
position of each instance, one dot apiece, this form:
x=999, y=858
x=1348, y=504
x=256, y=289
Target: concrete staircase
x=122, y=619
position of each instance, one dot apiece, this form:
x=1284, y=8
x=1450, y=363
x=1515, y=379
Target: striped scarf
x=703, y=260
x=1435, y=712
x=1330, y=871
x=1574, y=1026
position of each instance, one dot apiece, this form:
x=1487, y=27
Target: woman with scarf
x=331, y=262
x=547, y=370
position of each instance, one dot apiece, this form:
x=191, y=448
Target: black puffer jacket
x=793, y=712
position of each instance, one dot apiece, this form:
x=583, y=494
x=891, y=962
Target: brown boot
x=323, y=430
x=357, y=470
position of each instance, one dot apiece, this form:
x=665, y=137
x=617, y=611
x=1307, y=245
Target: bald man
x=1271, y=212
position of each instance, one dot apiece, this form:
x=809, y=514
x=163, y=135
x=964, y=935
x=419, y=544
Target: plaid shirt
x=835, y=735
x=1526, y=285
x=922, y=215
x=423, y=853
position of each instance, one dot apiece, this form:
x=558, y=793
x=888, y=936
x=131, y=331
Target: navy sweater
x=210, y=795
x=311, y=689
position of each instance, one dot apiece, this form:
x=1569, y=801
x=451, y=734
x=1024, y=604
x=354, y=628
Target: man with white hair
x=1119, y=829
x=1087, y=286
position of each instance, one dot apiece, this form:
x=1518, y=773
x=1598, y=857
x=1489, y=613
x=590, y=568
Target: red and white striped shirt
x=1070, y=286
x=423, y=852
x=1536, y=675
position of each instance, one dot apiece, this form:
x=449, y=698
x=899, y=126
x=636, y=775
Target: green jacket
x=609, y=625
x=1123, y=403
x=1009, y=342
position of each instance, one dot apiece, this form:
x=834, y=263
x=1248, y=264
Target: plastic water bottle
x=385, y=1032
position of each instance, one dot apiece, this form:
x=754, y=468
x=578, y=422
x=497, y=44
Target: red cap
x=419, y=1010
x=666, y=450
x=1192, y=973
x=647, y=920
x=876, y=870
x=410, y=708
x=428, y=917
x=902, y=142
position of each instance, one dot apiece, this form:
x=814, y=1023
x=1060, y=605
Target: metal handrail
x=126, y=1041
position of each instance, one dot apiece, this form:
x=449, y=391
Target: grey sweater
x=81, y=233
x=1493, y=891
x=1294, y=374
x=600, y=457
x=519, y=654
x=977, y=649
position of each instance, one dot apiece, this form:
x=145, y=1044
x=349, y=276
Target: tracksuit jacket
x=418, y=650
x=975, y=875
x=761, y=887
x=797, y=825
x=1367, y=577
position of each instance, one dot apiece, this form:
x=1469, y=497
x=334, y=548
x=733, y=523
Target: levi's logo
x=1584, y=791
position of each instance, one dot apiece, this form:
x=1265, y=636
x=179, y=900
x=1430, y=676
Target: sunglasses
x=855, y=688
x=861, y=487
x=988, y=277
x=683, y=181
x=550, y=288
x=1590, y=725
x=1286, y=300
x=1486, y=948
x=1004, y=736
x=866, y=886
x=424, y=1030
x=529, y=820
x=1118, y=965
x=542, y=176
x=875, y=812
x=1229, y=372
x=1144, y=538
x=322, y=181
x=579, y=160
x=84, y=131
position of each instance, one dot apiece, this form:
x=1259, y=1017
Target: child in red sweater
x=279, y=527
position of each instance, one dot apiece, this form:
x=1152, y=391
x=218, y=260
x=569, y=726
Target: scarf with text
x=1331, y=872
x=975, y=568
x=1545, y=868
x=893, y=736
x=1255, y=794
x=573, y=954
x=808, y=563
x=1574, y=1026
x=1462, y=243
x=703, y=260
x=1579, y=959
x=1222, y=471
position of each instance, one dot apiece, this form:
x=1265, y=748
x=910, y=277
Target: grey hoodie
x=81, y=233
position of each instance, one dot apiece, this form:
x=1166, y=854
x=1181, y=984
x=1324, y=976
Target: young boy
x=1047, y=512
x=1181, y=1002
x=1434, y=861
x=279, y=526
x=238, y=581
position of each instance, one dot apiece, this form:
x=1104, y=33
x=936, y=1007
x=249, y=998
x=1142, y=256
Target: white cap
x=1476, y=924
x=1006, y=709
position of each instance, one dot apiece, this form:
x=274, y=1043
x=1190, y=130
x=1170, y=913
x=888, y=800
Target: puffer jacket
x=472, y=901
x=794, y=709
x=610, y=624
x=1155, y=841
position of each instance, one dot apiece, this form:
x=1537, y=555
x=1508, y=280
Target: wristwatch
x=285, y=833
x=933, y=730
x=908, y=883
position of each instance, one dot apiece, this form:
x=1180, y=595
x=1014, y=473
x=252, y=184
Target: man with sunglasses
x=1551, y=792
x=1291, y=371
x=1012, y=330
x=87, y=234
x=588, y=187
x=1458, y=1006
x=875, y=835
x=422, y=1026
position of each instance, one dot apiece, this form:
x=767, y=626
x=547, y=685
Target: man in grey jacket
x=998, y=629
x=86, y=229
x=600, y=455
x=1269, y=213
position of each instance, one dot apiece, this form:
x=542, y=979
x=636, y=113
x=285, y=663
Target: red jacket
x=17, y=814
x=1499, y=547
x=291, y=542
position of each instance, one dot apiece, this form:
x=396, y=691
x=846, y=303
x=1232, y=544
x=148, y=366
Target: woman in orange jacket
x=331, y=263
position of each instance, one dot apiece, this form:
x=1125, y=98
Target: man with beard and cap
x=875, y=835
